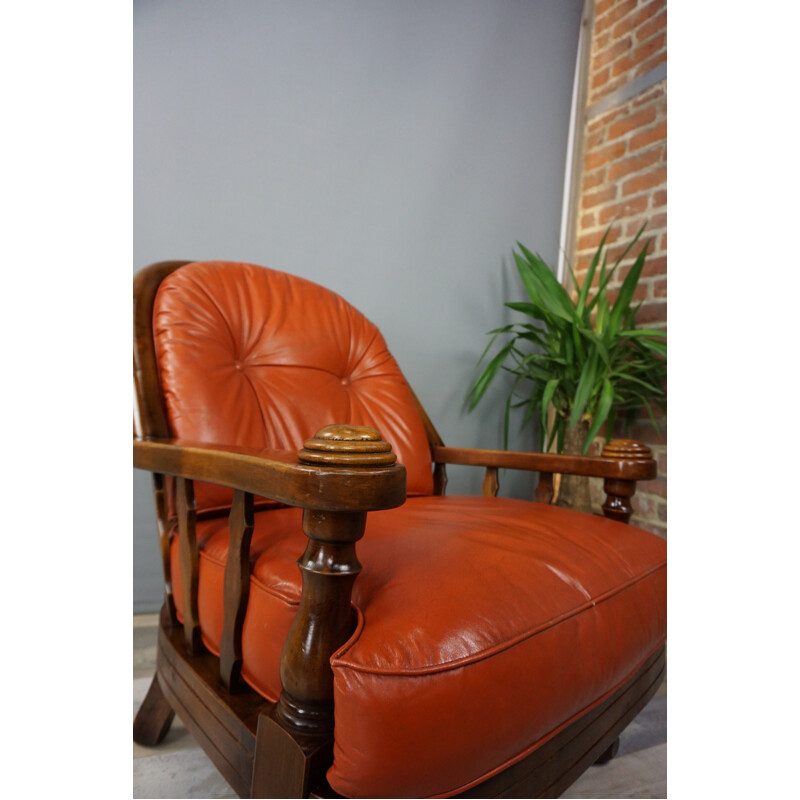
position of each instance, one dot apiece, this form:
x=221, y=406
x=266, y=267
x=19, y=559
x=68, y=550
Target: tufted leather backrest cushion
x=253, y=357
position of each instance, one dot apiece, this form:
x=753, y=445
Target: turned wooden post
x=329, y=566
x=619, y=492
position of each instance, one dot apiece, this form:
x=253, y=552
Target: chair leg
x=285, y=765
x=154, y=717
x=609, y=752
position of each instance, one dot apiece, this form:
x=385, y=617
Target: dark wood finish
x=154, y=717
x=609, y=753
x=254, y=753
x=277, y=475
x=603, y=467
x=188, y=559
x=544, y=488
x=434, y=440
x=620, y=489
x=162, y=523
x=324, y=619
x=490, y=485
x=236, y=588
x=627, y=450
x=329, y=568
x=288, y=766
x=151, y=416
x=346, y=446
x=223, y=724
x=621, y=464
x=439, y=479
x=618, y=504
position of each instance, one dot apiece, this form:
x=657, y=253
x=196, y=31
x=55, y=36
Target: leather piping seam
x=338, y=662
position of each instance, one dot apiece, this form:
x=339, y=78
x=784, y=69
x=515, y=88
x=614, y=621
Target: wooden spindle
x=490, y=485
x=329, y=568
x=544, y=489
x=439, y=479
x=236, y=589
x=188, y=560
x=162, y=523
x=618, y=504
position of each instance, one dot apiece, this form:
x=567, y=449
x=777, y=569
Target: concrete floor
x=178, y=768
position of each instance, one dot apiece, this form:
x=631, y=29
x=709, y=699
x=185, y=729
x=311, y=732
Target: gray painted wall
x=391, y=151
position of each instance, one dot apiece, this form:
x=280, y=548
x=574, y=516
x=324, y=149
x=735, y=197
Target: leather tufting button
x=238, y=365
x=345, y=382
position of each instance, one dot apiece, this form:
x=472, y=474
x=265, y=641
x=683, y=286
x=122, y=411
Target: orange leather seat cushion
x=484, y=626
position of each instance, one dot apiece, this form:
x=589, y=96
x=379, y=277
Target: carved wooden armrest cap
x=627, y=450
x=347, y=446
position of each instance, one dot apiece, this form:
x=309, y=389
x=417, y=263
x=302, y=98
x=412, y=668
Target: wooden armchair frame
x=284, y=749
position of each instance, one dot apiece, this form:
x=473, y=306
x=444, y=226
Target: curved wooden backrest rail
x=277, y=475
x=150, y=413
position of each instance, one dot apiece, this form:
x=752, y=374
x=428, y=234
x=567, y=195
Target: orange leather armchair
x=472, y=646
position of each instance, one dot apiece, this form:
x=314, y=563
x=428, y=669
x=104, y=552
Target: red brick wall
x=623, y=182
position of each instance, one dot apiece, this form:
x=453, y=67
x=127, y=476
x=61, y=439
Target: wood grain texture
x=329, y=567
x=162, y=524
x=188, y=558
x=236, y=589
x=287, y=766
x=598, y=467
x=277, y=475
x=223, y=724
x=324, y=619
x=150, y=417
x=154, y=717
x=347, y=445
x=620, y=489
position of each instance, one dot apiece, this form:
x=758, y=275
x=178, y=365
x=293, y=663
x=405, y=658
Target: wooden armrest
x=621, y=464
x=276, y=474
x=339, y=475
x=622, y=467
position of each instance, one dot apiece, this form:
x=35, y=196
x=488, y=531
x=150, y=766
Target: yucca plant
x=584, y=357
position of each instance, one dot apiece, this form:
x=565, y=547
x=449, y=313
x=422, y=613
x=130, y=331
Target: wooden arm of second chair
x=621, y=464
x=337, y=477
